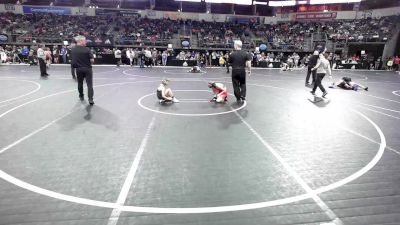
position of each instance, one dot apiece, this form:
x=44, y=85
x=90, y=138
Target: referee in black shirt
x=82, y=60
x=239, y=60
x=311, y=63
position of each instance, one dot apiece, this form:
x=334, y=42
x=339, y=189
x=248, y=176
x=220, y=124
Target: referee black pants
x=239, y=83
x=42, y=65
x=87, y=74
x=73, y=72
x=313, y=73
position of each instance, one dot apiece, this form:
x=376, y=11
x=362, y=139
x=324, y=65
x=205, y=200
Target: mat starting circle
x=233, y=107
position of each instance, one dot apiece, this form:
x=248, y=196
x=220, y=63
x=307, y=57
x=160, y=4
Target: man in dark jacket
x=82, y=60
x=311, y=63
x=241, y=64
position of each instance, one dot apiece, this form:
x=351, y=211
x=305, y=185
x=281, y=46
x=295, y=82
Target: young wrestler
x=164, y=93
x=347, y=84
x=220, y=92
x=195, y=69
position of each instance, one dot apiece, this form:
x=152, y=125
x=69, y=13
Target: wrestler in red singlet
x=220, y=91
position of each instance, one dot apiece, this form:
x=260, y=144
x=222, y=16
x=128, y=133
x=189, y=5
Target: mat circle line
x=230, y=208
x=38, y=86
x=187, y=114
x=396, y=93
x=170, y=72
x=259, y=74
x=161, y=77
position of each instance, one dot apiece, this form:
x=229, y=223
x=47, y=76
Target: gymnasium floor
x=279, y=159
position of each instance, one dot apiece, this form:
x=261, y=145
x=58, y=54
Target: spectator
x=396, y=63
x=48, y=57
x=164, y=58
x=56, y=54
x=118, y=55
x=64, y=54
x=221, y=60
x=25, y=53
x=389, y=64
x=129, y=56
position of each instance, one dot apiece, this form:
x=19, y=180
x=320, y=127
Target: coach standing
x=239, y=60
x=42, y=64
x=82, y=60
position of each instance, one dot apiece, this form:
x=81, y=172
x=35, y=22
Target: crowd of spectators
x=55, y=29
x=142, y=31
x=11, y=23
x=134, y=30
x=292, y=35
x=156, y=57
x=284, y=36
x=360, y=30
x=222, y=35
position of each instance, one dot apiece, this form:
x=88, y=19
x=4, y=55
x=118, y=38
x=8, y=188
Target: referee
x=239, y=60
x=311, y=63
x=42, y=64
x=82, y=60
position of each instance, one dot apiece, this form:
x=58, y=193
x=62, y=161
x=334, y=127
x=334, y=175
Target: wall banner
x=9, y=7
x=46, y=9
x=316, y=16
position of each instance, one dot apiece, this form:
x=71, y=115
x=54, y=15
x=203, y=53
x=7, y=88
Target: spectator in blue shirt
x=64, y=52
x=25, y=53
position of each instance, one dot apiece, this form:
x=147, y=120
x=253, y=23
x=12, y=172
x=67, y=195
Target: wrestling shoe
x=91, y=102
x=366, y=88
x=324, y=94
x=174, y=100
x=313, y=93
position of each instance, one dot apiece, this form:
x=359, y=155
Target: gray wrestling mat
x=278, y=159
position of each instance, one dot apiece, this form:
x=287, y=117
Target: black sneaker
x=91, y=102
x=313, y=93
x=366, y=89
x=324, y=94
x=81, y=98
